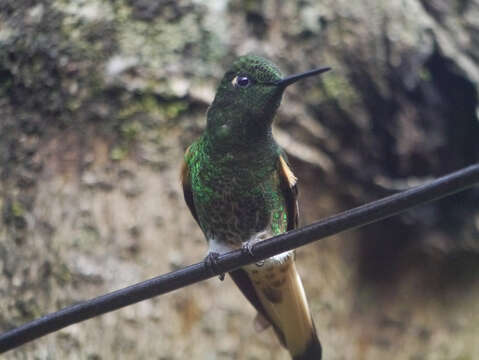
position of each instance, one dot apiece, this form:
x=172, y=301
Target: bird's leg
x=212, y=265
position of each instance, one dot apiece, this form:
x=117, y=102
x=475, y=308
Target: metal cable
x=353, y=218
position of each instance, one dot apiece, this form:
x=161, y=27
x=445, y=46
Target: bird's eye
x=241, y=81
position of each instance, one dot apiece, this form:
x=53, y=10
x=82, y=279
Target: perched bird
x=240, y=189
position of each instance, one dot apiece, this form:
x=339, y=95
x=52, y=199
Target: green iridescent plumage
x=236, y=195
x=240, y=190
x=234, y=166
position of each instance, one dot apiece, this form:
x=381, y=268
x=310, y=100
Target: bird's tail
x=313, y=350
x=280, y=291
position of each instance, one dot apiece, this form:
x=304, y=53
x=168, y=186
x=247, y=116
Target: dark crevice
x=445, y=107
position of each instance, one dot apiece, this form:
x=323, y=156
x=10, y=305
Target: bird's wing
x=186, y=184
x=289, y=187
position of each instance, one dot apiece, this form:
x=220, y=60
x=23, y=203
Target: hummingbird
x=240, y=189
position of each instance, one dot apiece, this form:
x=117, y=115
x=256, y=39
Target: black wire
x=349, y=219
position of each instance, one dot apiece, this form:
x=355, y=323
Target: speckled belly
x=236, y=209
x=233, y=217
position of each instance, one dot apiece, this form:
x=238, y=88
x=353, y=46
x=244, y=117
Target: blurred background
x=100, y=98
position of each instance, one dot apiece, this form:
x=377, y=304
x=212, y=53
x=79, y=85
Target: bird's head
x=247, y=99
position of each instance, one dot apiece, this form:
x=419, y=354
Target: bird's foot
x=247, y=247
x=212, y=265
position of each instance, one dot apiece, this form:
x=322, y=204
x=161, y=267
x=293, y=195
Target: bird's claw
x=212, y=265
x=247, y=247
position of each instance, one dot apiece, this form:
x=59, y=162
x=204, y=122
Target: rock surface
x=99, y=99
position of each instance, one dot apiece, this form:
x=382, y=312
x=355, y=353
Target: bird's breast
x=236, y=203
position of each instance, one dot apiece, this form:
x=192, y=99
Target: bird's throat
x=250, y=152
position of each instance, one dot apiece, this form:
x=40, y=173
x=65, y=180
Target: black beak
x=293, y=78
